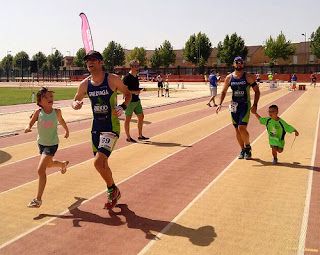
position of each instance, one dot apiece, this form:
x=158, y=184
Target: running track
x=182, y=193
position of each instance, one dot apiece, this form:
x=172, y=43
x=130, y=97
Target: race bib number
x=107, y=140
x=233, y=106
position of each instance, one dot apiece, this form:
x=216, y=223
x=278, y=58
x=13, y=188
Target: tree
x=138, y=53
x=231, y=47
x=278, y=48
x=78, y=60
x=168, y=56
x=197, y=47
x=21, y=60
x=113, y=55
x=41, y=59
x=6, y=63
x=155, y=59
x=55, y=60
x=315, y=43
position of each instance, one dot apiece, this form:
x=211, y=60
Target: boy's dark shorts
x=48, y=150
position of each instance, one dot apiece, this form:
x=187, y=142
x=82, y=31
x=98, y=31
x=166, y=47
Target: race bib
x=233, y=106
x=107, y=140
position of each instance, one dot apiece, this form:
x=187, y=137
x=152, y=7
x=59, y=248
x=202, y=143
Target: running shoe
x=247, y=153
x=275, y=161
x=143, y=138
x=113, y=197
x=208, y=104
x=35, y=203
x=241, y=155
x=130, y=140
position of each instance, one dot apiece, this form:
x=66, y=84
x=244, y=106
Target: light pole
x=305, y=46
x=8, y=51
x=53, y=48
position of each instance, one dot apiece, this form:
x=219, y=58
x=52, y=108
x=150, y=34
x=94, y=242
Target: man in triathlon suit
x=102, y=89
x=160, y=84
x=240, y=83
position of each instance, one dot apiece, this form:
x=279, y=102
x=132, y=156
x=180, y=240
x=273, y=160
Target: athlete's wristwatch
x=123, y=106
x=256, y=105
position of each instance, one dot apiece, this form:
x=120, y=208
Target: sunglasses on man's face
x=239, y=62
x=136, y=66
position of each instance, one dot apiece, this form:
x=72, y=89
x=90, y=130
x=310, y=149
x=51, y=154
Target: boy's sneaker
x=247, y=152
x=275, y=161
x=241, y=155
x=35, y=203
x=143, y=138
x=113, y=197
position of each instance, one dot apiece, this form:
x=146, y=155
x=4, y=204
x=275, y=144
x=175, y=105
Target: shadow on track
x=286, y=164
x=203, y=236
x=4, y=157
x=165, y=144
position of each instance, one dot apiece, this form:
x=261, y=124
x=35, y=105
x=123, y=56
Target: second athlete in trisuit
x=240, y=106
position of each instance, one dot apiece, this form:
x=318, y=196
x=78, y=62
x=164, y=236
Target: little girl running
x=47, y=120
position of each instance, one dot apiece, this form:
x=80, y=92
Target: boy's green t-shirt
x=276, y=130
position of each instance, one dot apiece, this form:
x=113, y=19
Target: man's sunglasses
x=239, y=62
x=136, y=66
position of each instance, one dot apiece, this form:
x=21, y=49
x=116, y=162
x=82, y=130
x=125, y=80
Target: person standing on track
x=313, y=78
x=213, y=87
x=47, y=121
x=102, y=89
x=240, y=83
x=160, y=85
x=132, y=82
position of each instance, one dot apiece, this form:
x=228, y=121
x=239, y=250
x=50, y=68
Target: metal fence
x=65, y=74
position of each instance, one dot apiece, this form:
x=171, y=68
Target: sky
x=33, y=26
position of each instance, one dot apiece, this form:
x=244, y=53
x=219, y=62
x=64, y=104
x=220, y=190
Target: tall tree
x=138, y=53
x=197, y=47
x=168, y=56
x=55, y=60
x=315, y=43
x=230, y=48
x=21, y=60
x=7, y=63
x=41, y=59
x=155, y=60
x=113, y=55
x=278, y=48
x=78, y=60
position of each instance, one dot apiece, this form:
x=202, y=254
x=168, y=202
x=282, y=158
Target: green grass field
x=11, y=96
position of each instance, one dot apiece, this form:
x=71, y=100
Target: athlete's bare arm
x=251, y=79
x=116, y=83
x=82, y=90
x=224, y=91
x=33, y=120
x=62, y=122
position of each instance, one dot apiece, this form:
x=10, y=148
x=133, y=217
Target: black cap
x=93, y=54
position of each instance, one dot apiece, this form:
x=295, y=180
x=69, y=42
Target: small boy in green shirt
x=277, y=129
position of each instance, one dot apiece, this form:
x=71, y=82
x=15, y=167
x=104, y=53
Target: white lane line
x=165, y=229
x=304, y=224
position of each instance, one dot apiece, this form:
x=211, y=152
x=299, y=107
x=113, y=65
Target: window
x=248, y=59
x=311, y=58
x=295, y=59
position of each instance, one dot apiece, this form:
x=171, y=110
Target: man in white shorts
x=213, y=87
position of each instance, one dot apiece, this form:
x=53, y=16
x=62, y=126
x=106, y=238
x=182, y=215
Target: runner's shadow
x=82, y=216
x=165, y=144
x=4, y=157
x=136, y=121
x=202, y=236
x=286, y=164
